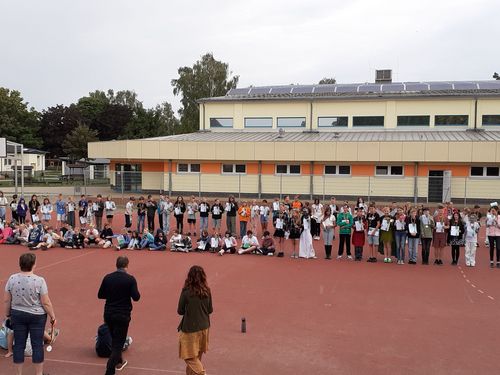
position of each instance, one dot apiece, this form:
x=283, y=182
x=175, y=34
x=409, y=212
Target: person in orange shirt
x=244, y=216
x=297, y=204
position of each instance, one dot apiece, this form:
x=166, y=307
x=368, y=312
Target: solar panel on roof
x=346, y=88
x=259, y=90
x=281, y=90
x=417, y=87
x=492, y=85
x=441, y=86
x=303, y=89
x=324, y=89
x=465, y=86
x=392, y=87
x=369, y=88
x=238, y=91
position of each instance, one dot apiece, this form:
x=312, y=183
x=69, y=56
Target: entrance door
x=435, y=189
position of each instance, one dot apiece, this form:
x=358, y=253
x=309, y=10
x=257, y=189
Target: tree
x=112, y=121
x=327, y=81
x=18, y=123
x=75, y=144
x=496, y=76
x=153, y=122
x=56, y=123
x=207, y=78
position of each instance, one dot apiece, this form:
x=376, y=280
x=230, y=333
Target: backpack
x=103, y=341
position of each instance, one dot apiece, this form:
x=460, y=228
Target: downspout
x=203, y=121
x=415, y=184
x=170, y=177
x=311, y=116
x=475, y=114
x=259, y=187
x=311, y=180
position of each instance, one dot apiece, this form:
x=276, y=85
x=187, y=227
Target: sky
x=56, y=51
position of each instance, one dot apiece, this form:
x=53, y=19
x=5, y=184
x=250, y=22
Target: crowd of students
x=395, y=231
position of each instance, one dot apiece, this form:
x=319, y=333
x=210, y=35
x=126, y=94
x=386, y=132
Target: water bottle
x=243, y=325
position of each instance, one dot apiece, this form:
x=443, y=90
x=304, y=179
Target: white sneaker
x=270, y=254
x=221, y=253
x=349, y=257
x=339, y=256
x=240, y=252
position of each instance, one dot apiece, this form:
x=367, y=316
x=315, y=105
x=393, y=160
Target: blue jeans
x=24, y=323
x=145, y=243
x=158, y=247
x=203, y=223
x=2, y=213
x=243, y=228
x=400, y=244
x=412, y=248
x=140, y=223
x=166, y=222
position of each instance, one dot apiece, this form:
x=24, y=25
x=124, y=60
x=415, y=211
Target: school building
x=425, y=141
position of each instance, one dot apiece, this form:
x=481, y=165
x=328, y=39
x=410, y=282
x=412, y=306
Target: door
x=131, y=178
x=435, y=190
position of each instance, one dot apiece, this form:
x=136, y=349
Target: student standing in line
x=306, y=249
x=264, y=215
x=231, y=210
x=400, y=234
x=159, y=211
x=345, y=222
x=195, y=306
x=413, y=233
x=60, y=211
x=295, y=230
x=3, y=206
x=110, y=208
x=71, y=212
x=275, y=209
x=34, y=206
x=386, y=233
x=456, y=236
x=439, y=235
x=317, y=214
x=297, y=204
x=192, y=209
x=46, y=209
x=22, y=210
x=141, y=215
x=151, y=212
x=13, y=208
x=118, y=289
x=216, y=211
x=358, y=235
x=373, y=232
x=426, y=228
x=471, y=230
x=493, y=234
x=97, y=209
x=179, y=209
x=244, y=213
x=328, y=221
x=204, y=208
x=333, y=206
x=280, y=224
x=167, y=209
x=82, y=210
x=129, y=211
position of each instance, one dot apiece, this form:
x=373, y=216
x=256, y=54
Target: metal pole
x=281, y=186
x=239, y=186
x=122, y=176
x=415, y=185
x=22, y=170
x=324, y=181
x=199, y=185
x=369, y=188
x=259, y=187
x=15, y=172
x=170, y=177
x=311, y=179
x=465, y=192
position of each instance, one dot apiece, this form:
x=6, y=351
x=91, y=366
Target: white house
x=34, y=161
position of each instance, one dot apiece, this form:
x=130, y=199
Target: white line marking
x=467, y=280
x=480, y=291
x=65, y=260
x=473, y=285
x=490, y=297
x=464, y=276
x=103, y=365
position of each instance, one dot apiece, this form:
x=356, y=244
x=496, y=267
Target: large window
x=389, y=170
x=287, y=168
x=332, y=122
x=188, y=168
x=414, y=120
x=337, y=170
x=221, y=122
x=484, y=171
x=451, y=120
x=491, y=120
x=291, y=122
x=368, y=121
x=234, y=168
x=258, y=122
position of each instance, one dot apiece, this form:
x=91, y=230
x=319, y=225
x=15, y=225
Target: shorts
x=373, y=240
x=191, y=221
x=61, y=217
x=47, y=217
x=109, y=216
x=264, y=219
x=92, y=240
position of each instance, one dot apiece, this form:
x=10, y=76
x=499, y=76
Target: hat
x=494, y=204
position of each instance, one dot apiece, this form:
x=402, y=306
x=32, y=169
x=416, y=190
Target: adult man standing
x=118, y=288
x=98, y=212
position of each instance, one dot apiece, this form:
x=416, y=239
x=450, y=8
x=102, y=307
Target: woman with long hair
x=195, y=306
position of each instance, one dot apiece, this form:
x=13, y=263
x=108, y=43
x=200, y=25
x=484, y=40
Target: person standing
x=34, y=207
x=493, y=234
x=195, y=306
x=129, y=211
x=345, y=222
x=151, y=207
x=426, y=228
x=60, y=211
x=118, y=289
x=456, y=236
x=27, y=304
x=328, y=220
x=3, y=206
x=13, y=208
x=244, y=213
x=98, y=210
x=231, y=210
x=413, y=235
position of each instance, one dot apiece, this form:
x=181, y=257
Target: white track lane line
x=103, y=365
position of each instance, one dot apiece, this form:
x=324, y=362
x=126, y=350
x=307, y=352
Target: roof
x=340, y=136
x=27, y=150
x=364, y=91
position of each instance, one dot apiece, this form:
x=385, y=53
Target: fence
x=462, y=190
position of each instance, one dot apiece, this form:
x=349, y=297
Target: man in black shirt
x=118, y=288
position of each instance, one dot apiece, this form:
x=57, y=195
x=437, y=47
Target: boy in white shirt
x=471, y=230
x=249, y=243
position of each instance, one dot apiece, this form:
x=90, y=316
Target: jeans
x=243, y=228
x=128, y=221
x=180, y=222
x=144, y=243
x=231, y=224
x=157, y=247
x=140, y=223
x=400, y=244
x=344, y=238
x=328, y=236
x=24, y=323
x=98, y=223
x=118, y=328
x=494, y=240
x=151, y=223
x=2, y=213
x=426, y=249
x=412, y=248
x=166, y=222
x=71, y=218
x=203, y=223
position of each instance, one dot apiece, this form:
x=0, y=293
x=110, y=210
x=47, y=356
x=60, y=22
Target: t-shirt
x=26, y=291
x=373, y=220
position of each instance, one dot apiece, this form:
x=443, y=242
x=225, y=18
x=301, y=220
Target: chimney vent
x=383, y=76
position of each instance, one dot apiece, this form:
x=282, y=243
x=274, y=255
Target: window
x=287, y=169
x=221, y=122
x=337, y=170
x=451, y=120
x=234, y=168
x=258, y=122
x=485, y=171
x=414, y=120
x=491, y=120
x=188, y=168
x=332, y=122
x=389, y=170
x=368, y=121
x=291, y=122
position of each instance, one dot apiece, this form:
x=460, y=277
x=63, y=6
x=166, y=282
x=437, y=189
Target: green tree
x=18, y=123
x=56, y=123
x=152, y=122
x=208, y=77
x=75, y=144
x=327, y=81
x=496, y=76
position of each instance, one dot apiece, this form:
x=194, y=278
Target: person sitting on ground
x=67, y=240
x=249, y=243
x=267, y=247
x=23, y=234
x=35, y=235
x=160, y=241
x=79, y=239
x=7, y=232
x=229, y=244
x=106, y=238
x=178, y=242
x=215, y=243
x=47, y=241
x=123, y=239
x=103, y=342
x=204, y=241
x=147, y=239
x=135, y=241
x=91, y=236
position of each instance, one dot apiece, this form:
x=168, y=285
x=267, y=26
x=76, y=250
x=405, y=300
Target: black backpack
x=103, y=341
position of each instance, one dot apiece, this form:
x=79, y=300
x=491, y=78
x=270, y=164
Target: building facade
x=425, y=141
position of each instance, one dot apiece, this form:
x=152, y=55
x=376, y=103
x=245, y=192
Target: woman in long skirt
x=306, y=249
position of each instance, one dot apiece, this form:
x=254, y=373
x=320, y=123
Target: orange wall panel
x=214, y=168
x=456, y=170
x=268, y=168
x=252, y=168
x=362, y=169
x=152, y=167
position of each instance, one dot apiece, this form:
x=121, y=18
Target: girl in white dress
x=306, y=249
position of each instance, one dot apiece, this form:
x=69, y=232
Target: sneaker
x=259, y=252
x=121, y=366
x=389, y=260
x=221, y=253
x=491, y=265
x=467, y=264
x=339, y=256
x=270, y=254
x=349, y=257
x=240, y=251
x=374, y=260
x=385, y=260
